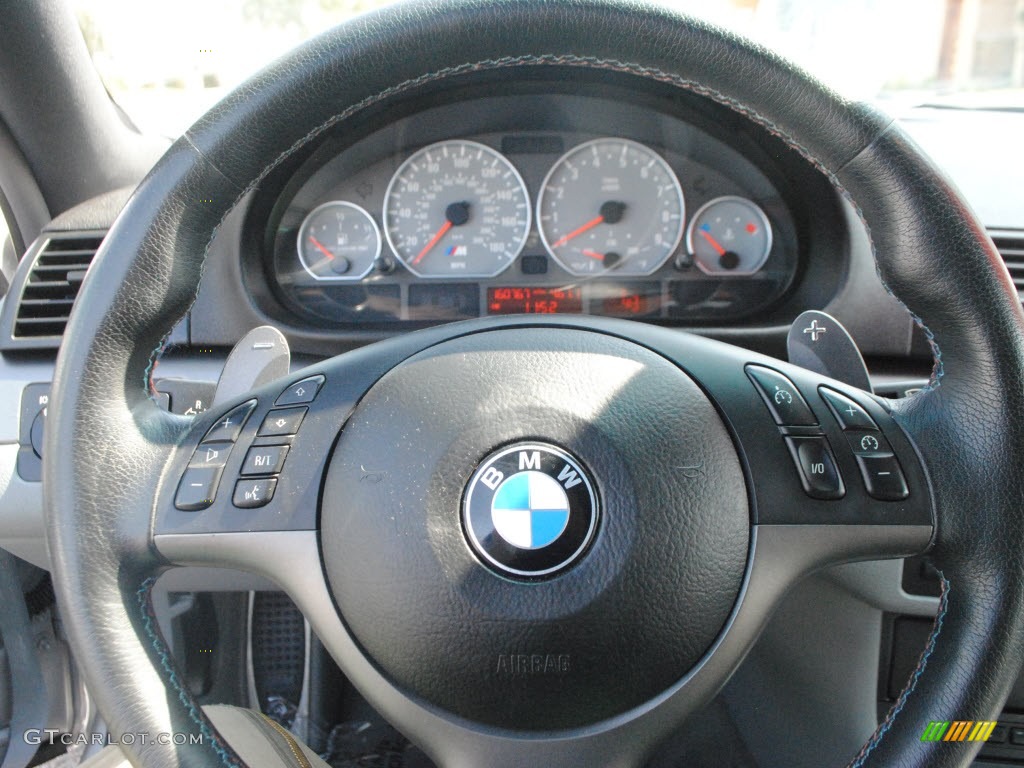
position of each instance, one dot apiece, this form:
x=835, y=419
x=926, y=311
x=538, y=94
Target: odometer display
x=534, y=301
x=456, y=209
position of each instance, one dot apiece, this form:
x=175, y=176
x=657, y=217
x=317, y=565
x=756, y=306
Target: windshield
x=165, y=70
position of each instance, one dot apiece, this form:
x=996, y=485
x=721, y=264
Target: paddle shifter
x=819, y=343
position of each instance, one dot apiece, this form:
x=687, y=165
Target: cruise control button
x=264, y=460
x=817, y=467
x=284, y=421
x=230, y=424
x=849, y=414
x=198, y=488
x=867, y=443
x=250, y=494
x=301, y=391
x=782, y=397
x=211, y=455
x=883, y=477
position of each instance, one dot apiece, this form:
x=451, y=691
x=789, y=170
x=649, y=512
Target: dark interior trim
x=75, y=140
x=21, y=201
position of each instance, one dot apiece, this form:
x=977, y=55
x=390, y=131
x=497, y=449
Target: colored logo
x=958, y=730
x=529, y=510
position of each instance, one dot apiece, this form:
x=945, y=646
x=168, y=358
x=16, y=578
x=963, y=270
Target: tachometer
x=611, y=205
x=456, y=209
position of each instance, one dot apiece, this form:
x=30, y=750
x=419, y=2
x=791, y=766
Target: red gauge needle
x=714, y=243
x=321, y=248
x=610, y=259
x=578, y=231
x=433, y=241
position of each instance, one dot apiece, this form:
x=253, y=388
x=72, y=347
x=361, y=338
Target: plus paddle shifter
x=819, y=343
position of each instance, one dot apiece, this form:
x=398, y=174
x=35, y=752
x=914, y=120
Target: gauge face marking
x=729, y=236
x=611, y=205
x=456, y=209
x=338, y=241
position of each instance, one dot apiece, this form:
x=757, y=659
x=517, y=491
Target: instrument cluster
x=659, y=222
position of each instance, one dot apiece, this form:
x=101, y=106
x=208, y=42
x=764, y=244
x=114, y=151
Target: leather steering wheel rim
x=106, y=441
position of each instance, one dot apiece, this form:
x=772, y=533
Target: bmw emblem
x=530, y=510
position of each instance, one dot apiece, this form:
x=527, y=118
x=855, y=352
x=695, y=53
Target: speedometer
x=611, y=205
x=456, y=209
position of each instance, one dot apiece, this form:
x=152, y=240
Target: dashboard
x=539, y=199
x=375, y=191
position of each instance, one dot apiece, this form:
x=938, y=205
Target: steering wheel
x=676, y=520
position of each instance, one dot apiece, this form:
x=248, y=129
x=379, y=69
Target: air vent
x=52, y=286
x=1011, y=246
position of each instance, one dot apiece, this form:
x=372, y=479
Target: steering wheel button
x=865, y=442
x=849, y=414
x=883, y=477
x=250, y=494
x=198, y=488
x=283, y=421
x=817, y=467
x=783, y=399
x=264, y=460
x=229, y=426
x=301, y=391
x=211, y=455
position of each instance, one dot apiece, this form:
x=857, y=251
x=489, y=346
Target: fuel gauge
x=338, y=241
x=729, y=236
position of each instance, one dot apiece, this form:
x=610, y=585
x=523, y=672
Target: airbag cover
x=621, y=625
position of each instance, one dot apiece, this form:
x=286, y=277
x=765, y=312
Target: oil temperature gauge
x=338, y=241
x=729, y=236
